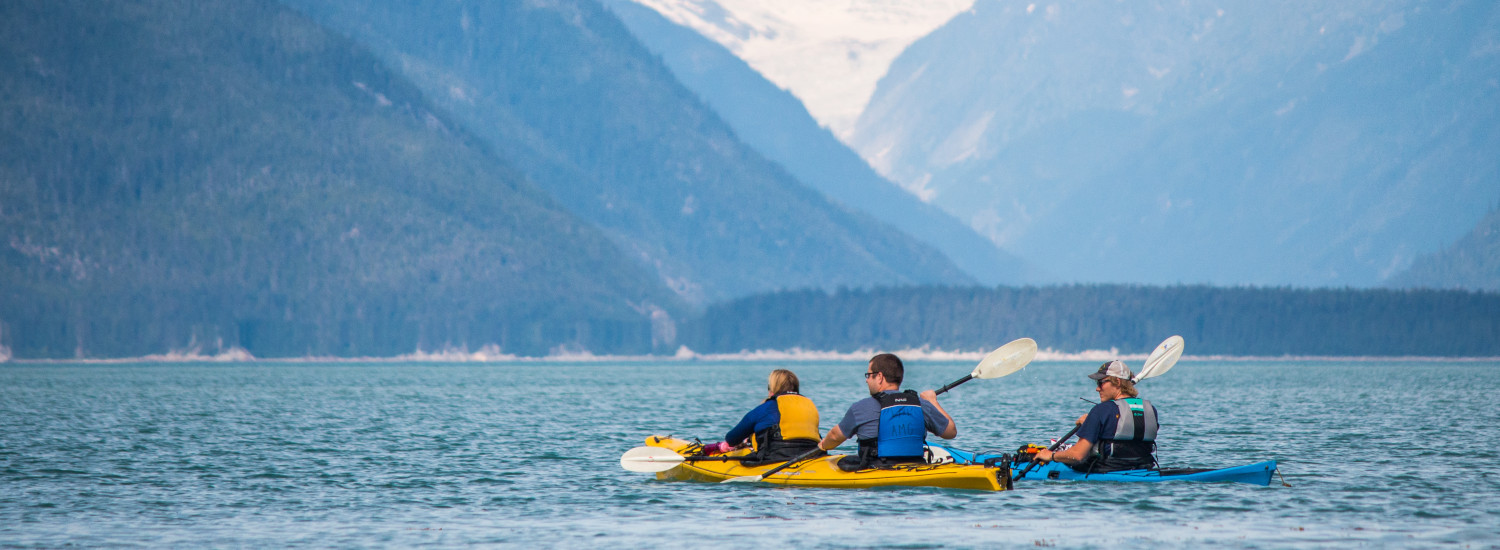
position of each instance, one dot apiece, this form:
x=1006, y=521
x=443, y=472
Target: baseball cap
x=1116, y=369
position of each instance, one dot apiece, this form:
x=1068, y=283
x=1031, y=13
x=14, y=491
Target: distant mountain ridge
x=1471, y=263
x=1277, y=143
x=775, y=122
x=218, y=174
x=601, y=124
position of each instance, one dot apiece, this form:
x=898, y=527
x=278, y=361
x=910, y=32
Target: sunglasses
x=1100, y=383
x=870, y=375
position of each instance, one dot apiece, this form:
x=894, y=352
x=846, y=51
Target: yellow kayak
x=824, y=472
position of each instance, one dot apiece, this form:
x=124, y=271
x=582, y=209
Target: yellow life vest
x=799, y=420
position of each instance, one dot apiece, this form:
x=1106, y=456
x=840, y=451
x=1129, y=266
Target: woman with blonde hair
x=782, y=427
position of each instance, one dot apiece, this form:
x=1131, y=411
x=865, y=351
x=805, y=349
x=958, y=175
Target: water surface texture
x=1378, y=453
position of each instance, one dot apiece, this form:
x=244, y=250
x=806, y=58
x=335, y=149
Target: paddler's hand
x=1081, y=419
x=1042, y=456
x=952, y=430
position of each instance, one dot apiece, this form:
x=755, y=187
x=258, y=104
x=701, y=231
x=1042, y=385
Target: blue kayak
x=1258, y=473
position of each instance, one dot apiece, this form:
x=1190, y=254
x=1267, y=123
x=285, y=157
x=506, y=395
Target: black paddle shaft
x=966, y=378
x=1065, y=438
x=783, y=465
x=1053, y=447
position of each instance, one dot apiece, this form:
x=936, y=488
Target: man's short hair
x=889, y=366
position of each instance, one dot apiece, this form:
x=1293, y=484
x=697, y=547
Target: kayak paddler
x=891, y=424
x=1117, y=434
x=782, y=427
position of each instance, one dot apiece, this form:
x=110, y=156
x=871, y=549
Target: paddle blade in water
x=650, y=459
x=1006, y=359
x=1162, y=358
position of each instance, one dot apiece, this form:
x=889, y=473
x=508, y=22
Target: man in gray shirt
x=889, y=431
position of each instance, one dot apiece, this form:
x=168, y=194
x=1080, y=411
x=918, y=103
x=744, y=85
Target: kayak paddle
x=1162, y=359
x=658, y=459
x=1005, y=360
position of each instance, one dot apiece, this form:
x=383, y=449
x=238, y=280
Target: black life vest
x=796, y=432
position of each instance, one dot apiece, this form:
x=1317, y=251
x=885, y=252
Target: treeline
x=1214, y=320
x=98, y=321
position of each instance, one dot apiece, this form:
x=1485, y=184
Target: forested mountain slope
x=602, y=125
x=776, y=124
x=1472, y=262
x=205, y=174
x=1228, y=142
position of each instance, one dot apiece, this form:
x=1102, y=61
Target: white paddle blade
x=1006, y=359
x=650, y=459
x=1162, y=358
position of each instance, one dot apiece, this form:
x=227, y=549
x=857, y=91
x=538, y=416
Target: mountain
x=1232, y=142
x=776, y=124
x=1471, y=263
x=830, y=54
x=203, y=175
x=591, y=116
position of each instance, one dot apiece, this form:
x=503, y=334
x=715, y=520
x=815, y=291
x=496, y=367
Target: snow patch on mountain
x=829, y=53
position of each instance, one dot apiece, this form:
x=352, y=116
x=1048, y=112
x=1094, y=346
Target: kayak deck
x=824, y=472
x=1258, y=473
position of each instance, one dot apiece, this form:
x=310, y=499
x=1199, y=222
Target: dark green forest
x=1244, y=321
x=227, y=173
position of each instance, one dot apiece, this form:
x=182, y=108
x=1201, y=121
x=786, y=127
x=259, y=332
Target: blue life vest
x=903, y=427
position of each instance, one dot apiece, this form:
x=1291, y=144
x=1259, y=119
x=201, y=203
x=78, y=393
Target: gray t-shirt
x=863, y=419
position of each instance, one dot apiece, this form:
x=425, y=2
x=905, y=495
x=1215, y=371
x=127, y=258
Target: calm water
x=1378, y=454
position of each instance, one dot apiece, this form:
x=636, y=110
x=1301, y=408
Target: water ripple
x=423, y=454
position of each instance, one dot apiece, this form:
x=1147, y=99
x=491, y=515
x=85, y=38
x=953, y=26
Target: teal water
x=1379, y=454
